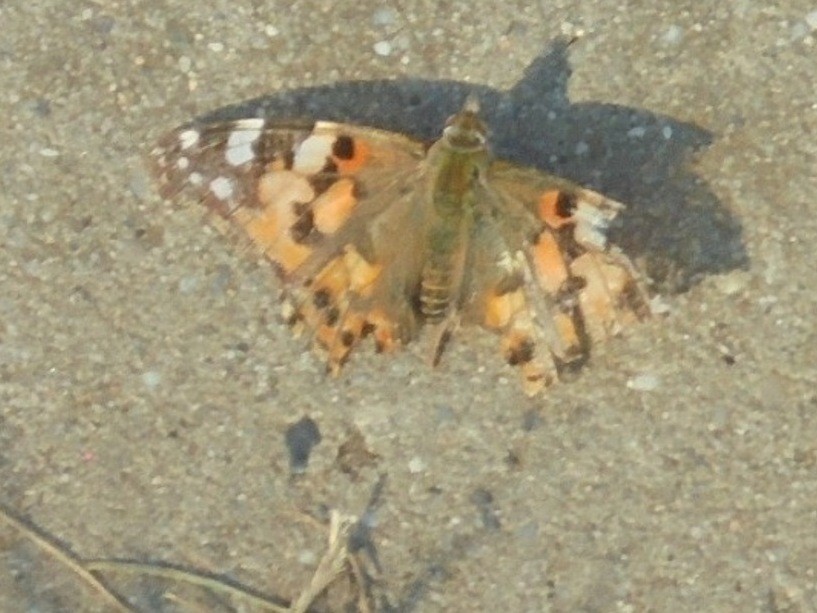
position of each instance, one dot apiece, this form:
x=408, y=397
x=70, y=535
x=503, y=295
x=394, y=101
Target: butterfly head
x=465, y=131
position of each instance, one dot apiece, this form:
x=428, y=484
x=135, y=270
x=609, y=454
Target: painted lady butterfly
x=375, y=234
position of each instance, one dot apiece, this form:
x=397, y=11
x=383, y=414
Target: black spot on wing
x=566, y=205
x=332, y=316
x=324, y=179
x=330, y=168
x=568, y=245
x=344, y=147
x=274, y=145
x=510, y=283
x=303, y=227
x=321, y=299
x=521, y=354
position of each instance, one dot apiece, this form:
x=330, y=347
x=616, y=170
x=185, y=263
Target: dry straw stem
x=334, y=562
x=68, y=559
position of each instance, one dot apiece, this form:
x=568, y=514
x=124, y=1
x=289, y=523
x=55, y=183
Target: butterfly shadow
x=674, y=226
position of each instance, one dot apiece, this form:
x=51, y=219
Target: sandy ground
x=147, y=387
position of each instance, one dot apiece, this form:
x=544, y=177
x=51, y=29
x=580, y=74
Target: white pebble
x=732, y=283
x=307, y=558
x=644, y=382
x=416, y=465
x=673, y=35
x=188, y=284
x=637, y=132
x=151, y=379
x=383, y=48
x=659, y=306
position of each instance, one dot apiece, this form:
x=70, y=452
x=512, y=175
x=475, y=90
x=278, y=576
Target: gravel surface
x=151, y=404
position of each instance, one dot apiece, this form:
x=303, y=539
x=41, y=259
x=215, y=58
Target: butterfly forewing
x=324, y=203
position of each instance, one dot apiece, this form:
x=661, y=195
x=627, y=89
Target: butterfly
x=377, y=235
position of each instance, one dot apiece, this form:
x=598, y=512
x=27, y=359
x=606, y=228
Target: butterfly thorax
x=456, y=165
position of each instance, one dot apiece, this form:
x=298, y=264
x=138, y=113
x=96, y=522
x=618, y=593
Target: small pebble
x=151, y=379
x=659, y=306
x=637, y=132
x=385, y=16
x=644, y=382
x=416, y=465
x=383, y=48
x=673, y=35
x=188, y=284
x=732, y=283
x=307, y=558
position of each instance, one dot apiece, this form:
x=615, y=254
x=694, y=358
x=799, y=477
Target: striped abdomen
x=439, y=279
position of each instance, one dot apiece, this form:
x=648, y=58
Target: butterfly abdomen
x=452, y=204
x=436, y=283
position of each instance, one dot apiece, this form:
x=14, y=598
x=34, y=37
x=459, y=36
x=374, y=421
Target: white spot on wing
x=311, y=154
x=195, y=179
x=592, y=223
x=222, y=188
x=251, y=123
x=188, y=138
x=182, y=163
x=241, y=139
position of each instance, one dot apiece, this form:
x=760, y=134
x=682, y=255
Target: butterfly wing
x=326, y=203
x=545, y=276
